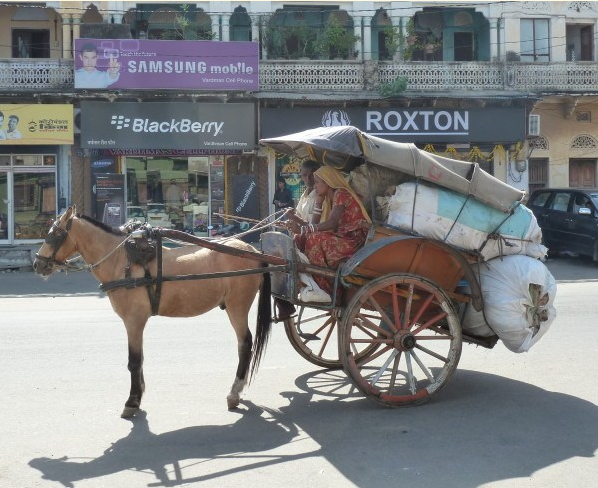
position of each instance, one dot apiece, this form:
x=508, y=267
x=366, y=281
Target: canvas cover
x=346, y=147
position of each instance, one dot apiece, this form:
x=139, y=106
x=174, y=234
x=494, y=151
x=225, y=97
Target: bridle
x=55, y=238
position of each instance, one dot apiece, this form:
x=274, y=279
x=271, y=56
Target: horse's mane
x=101, y=225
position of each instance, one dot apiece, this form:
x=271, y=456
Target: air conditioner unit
x=77, y=120
x=247, y=152
x=533, y=126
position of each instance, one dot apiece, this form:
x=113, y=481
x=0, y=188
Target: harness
x=55, y=238
x=143, y=245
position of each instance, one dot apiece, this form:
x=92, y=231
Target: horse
x=102, y=248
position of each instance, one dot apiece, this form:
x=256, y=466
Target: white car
x=136, y=213
x=157, y=215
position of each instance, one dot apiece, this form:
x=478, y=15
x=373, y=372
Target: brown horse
x=102, y=249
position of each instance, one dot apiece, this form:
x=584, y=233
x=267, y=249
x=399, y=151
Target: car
x=135, y=213
x=158, y=216
x=568, y=218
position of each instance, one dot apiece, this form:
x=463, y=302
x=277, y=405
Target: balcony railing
x=29, y=75
x=35, y=74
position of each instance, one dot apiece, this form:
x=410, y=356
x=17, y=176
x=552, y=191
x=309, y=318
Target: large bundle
x=519, y=294
x=464, y=222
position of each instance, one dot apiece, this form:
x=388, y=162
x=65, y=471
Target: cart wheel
x=418, y=335
x=315, y=337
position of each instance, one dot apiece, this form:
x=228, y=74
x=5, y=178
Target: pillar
x=66, y=37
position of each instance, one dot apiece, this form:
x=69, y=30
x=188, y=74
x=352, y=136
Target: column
x=225, y=28
x=255, y=28
x=216, y=28
x=366, y=41
x=66, y=37
x=76, y=26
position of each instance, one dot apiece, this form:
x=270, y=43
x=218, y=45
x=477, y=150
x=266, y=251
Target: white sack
x=465, y=223
x=518, y=294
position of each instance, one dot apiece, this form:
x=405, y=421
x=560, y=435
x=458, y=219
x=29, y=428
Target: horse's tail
x=264, y=322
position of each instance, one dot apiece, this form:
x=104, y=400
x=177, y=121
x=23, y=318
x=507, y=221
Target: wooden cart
x=394, y=324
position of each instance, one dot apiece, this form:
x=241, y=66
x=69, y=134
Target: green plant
x=336, y=40
x=394, y=40
x=393, y=88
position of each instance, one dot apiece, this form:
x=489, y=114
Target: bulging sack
x=519, y=293
x=465, y=223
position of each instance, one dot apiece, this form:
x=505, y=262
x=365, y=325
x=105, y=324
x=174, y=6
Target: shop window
x=31, y=43
x=169, y=192
x=34, y=197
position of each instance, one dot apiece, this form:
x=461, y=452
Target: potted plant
x=336, y=41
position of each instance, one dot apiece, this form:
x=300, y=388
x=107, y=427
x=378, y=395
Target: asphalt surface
x=504, y=420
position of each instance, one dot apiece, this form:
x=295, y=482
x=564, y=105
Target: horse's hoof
x=129, y=412
x=232, y=403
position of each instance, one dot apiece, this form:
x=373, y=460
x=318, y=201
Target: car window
x=560, y=202
x=539, y=199
x=581, y=201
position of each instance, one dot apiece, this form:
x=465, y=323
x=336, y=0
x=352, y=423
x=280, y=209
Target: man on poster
x=12, y=132
x=89, y=76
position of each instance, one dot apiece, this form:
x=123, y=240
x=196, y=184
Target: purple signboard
x=178, y=65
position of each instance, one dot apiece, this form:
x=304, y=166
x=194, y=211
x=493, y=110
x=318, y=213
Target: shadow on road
x=481, y=429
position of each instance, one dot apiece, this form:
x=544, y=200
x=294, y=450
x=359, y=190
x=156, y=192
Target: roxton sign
x=403, y=122
x=489, y=125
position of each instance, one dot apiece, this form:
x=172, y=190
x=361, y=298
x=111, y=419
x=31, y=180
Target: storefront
x=35, y=143
x=166, y=163
x=491, y=136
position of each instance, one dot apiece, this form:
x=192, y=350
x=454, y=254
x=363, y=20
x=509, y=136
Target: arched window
x=381, y=26
x=240, y=25
x=92, y=15
x=584, y=141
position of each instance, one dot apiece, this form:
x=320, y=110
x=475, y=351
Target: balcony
x=30, y=75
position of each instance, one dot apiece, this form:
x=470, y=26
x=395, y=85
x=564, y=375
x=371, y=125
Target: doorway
x=582, y=173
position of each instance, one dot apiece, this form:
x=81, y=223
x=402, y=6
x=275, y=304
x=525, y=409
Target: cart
x=394, y=324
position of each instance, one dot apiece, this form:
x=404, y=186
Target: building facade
x=510, y=85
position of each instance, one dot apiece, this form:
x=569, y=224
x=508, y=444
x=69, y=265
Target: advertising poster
x=245, y=201
x=175, y=125
x=109, y=191
x=36, y=124
x=170, y=65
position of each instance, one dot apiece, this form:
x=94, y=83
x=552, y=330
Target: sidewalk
x=82, y=283
x=26, y=283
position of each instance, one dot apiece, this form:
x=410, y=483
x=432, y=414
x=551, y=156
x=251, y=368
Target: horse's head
x=58, y=246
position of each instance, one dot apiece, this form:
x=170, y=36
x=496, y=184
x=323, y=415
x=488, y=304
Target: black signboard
x=130, y=125
x=426, y=125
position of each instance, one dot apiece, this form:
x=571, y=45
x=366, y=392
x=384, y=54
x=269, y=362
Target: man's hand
x=114, y=68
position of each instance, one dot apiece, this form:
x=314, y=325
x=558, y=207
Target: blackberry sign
x=225, y=127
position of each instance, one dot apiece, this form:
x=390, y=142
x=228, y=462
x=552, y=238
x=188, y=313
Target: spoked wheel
x=417, y=335
x=315, y=336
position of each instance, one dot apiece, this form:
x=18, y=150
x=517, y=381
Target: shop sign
x=167, y=65
x=225, y=127
x=36, y=124
x=495, y=125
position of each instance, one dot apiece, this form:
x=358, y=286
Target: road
x=504, y=420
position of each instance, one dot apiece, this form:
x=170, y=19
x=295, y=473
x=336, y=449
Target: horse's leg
x=238, y=317
x=135, y=366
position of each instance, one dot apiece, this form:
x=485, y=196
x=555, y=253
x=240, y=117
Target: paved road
x=503, y=421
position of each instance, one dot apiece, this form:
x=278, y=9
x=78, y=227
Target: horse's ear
x=70, y=212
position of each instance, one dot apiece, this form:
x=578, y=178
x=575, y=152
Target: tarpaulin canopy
x=346, y=147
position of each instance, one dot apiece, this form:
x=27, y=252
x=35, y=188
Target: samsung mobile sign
x=171, y=65
x=225, y=127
